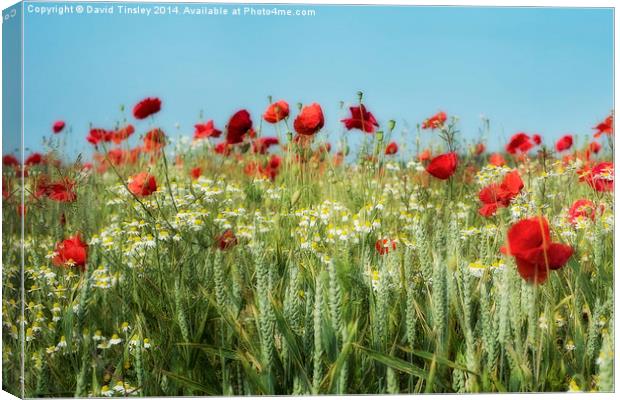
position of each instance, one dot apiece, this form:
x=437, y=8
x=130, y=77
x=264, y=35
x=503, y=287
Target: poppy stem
x=124, y=183
x=168, y=181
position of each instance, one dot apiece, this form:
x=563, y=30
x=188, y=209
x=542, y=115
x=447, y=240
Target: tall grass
x=304, y=304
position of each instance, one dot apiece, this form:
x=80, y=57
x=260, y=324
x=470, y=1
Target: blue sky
x=542, y=70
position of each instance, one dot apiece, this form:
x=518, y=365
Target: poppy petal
x=489, y=194
x=512, y=182
x=527, y=235
x=558, y=255
x=531, y=272
x=443, y=166
x=488, y=210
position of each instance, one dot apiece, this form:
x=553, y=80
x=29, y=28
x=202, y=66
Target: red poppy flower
x=206, y=130
x=131, y=156
x=142, y=184
x=601, y=177
x=361, y=119
x=497, y=159
x=325, y=147
x=116, y=156
x=250, y=168
x=536, y=139
x=71, y=252
x=270, y=173
x=261, y=145
x=443, y=166
x=222, y=148
x=10, y=161
x=62, y=191
x=519, y=142
x=97, y=135
x=383, y=246
x=496, y=195
x=276, y=112
x=479, y=149
x=122, y=134
x=154, y=140
x=226, y=240
x=310, y=120
x=146, y=107
x=605, y=127
x=391, y=148
x=595, y=147
x=238, y=126
x=425, y=155
x=20, y=170
x=436, y=121
x=40, y=186
x=338, y=158
x=195, y=172
x=6, y=189
x=34, y=159
x=529, y=242
x=275, y=162
x=564, y=143
x=271, y=168
x=582, y=208
x=58, y=126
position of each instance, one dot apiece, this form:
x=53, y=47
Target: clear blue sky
x=540, y=70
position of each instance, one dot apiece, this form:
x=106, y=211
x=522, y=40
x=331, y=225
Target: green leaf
x=441, y=360
x=191, y=384
x=291, y=341
x=396, y=363
x=213, y=350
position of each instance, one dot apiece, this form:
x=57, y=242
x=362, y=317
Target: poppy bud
x=341, y=104
x=360, y=96
x=452, y=263
x=299, y=106
x=226, y=240
x=244, y=147
x=122, y=107
x=289, y=136
x=391, y=125
x=346, y=150
x=295, y=197
x=270, y=99
x=379, y=135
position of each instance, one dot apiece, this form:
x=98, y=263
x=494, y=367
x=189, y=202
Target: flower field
x=257, y=257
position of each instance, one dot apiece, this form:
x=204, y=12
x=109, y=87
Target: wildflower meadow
x=258, y=256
